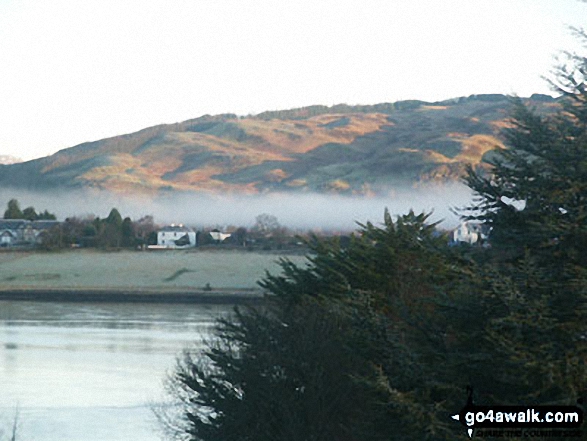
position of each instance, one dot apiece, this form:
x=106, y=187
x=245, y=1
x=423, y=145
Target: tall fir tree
x=535, y=196
x=535, y=200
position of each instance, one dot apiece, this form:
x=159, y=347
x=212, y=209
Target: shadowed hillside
x=342, y=149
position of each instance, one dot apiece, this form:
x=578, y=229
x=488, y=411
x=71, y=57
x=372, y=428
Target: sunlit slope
x=345, y=149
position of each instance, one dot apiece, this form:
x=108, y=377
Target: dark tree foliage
x=127, y=232
x=90, y=231
x=267, y=379
x=239, y=237
x=204, y=238
x=114, y=218
x=45, y=215
x=536, y=195
x=145, y=231
x=378, y=340
x=338, y=351
x=29, y=213
x=535, y=200
x=110, y=230
x=13, y=210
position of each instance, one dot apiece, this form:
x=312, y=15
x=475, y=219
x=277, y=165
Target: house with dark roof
x=22, y=232
x=176, y=237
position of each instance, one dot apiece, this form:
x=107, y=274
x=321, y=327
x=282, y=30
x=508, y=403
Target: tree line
x=114, y=231
x=381, y=337
x=13, y=211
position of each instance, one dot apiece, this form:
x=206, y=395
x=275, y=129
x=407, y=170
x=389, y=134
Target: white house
x=218, y=236
x=176, y=237
x=470, y=232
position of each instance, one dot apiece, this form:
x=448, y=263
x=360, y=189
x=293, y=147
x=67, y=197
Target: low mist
x=297, y=211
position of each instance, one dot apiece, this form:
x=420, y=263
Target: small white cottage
x=470, y=232
x=218, y=236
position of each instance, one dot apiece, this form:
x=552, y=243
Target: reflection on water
x=80, y=371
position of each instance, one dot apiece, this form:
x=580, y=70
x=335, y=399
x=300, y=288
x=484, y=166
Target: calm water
x=89, y=372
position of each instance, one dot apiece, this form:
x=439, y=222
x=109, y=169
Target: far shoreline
x=134, y=295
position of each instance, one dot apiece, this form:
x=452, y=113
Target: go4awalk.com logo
x=520, y=421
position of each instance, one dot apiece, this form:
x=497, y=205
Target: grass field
x=81, y=269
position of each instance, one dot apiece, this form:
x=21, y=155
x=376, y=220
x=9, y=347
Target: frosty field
x=161, y=270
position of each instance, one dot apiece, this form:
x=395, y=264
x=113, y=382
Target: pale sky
x=73, y=71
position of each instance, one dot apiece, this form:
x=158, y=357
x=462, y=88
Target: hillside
x=343, y=149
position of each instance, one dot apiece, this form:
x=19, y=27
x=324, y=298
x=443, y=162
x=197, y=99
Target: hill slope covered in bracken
x=343, y=149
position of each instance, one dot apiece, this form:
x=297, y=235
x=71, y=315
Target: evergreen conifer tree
x=535, y=200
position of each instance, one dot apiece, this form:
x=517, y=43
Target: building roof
x=13, y=224
x=44, y=224
x=176, y=229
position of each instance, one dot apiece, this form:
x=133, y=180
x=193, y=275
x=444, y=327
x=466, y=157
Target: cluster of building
x=181, y=237
x=21, y=232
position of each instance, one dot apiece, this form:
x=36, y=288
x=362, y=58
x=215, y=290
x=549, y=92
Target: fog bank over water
x=300, y=211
